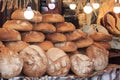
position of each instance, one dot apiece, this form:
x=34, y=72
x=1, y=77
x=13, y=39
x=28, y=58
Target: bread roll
x=66, y=46
x=33, y=36
x=81, y=65
x=106, y=45
x=35, y=61
x=11, y=63
x=81, y=43
x=97, y=32
x=52, y=18
x=56, y=37
x=45, y=27
x=99, y=56
x=19, y=25
x=9, y=35
x=58, y=62
x=16, y=46
x=75, y=35
x=45, y=45
x=19, y=14
x=65, y=27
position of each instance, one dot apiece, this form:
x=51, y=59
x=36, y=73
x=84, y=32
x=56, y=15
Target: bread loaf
x=16, y=46
x=35, y=61
x=58, y=62
x=65, y=27
x=52, y=18
x=33, y=36
x=44, y=27
x=56, y=37
x=75, y=35
x=19, y=25
x=19, y=14
x=99, y=56
x=45, y=45
x=81, y=65
x=9, y=35
x=66, y=46
x=82, y=43
x=11, y=63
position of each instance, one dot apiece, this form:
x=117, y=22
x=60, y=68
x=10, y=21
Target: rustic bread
x=9, y=35
x=35, y=61
x=19, y=25
x=11, y=63
x=58, y=62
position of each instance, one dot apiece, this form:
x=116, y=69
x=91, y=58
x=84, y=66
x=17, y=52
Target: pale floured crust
x=58, y=62
x=35, y=61
x=11, y=63
x=81, y=65
x=99, y=56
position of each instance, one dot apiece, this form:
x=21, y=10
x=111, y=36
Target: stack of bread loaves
x=48, y=44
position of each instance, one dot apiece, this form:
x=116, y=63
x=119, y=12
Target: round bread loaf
x=52, y=18
x=33, y=36
x=11, y=63
x=58, y=62
x=45, y=45
x=81, y=43
x=81, y=65
x=16, y=46
x=9, y=35
x=106, y=45
x=97, y=32
x=19, y=14
x=66, y=46
x=35, y=61
x=99, y=56
x=45, y=27
x=19, y=25
x=65, y=27
x=56, y=37
x=75, y=35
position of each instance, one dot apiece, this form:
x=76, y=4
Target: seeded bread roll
x=58, y=62
x=19, y=25
x=11, y=63
x=66, y=46
x=16, y=46
x=9, y=35
x=19, y=14
x=33, y=36
x=99, y=56
x=56, y=37
x=35, y=61
x=52, y=18
x=65, y=27
x=45, y=27
x=81, y=65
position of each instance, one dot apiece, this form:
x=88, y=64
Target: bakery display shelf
x=112, y=72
